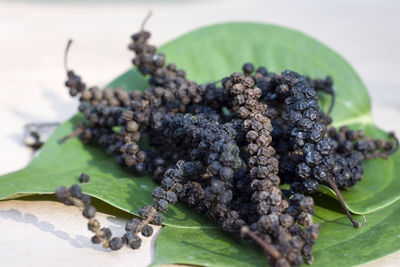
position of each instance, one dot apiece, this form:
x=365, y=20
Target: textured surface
x=363, y=34
x=34, y=236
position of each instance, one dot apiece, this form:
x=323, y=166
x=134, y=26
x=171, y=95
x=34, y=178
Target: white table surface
x=32, y=38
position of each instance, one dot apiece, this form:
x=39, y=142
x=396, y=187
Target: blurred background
x=33, y=35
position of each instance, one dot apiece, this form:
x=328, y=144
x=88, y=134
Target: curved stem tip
x=341, y=200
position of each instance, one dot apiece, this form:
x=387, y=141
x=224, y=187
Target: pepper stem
x=396, y=147
x=77, y=132
x=270, y=249
x=145, y=20
x=341, y=200
x=66, y=54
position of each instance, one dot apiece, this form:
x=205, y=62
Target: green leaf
x=339, y=243
x=204, y=246
x=208, y=54
x=342, y=245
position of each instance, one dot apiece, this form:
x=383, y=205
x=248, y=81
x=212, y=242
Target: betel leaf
x=208, y=54
x=339, y=243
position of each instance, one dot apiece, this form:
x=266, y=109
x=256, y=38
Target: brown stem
x=270, y=249
x=66, y=55
x=396, y=147
x=337, y=192
x=77, y=132
x=385, y=155
x=145, y=20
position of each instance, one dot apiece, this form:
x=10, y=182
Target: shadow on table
x=79, y=241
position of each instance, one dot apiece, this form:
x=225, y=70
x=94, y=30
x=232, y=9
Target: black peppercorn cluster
x=277, y=219
x=84, y=178
x=74, y=196
x=310, y=154
x=224, y=150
